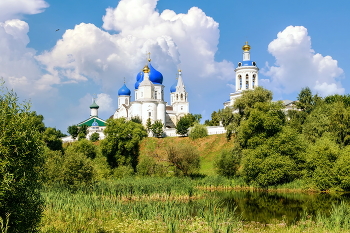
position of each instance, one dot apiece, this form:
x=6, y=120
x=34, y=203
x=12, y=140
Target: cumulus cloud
x=187, y=41
x=14, y=9
x=297, y=65
x=18, y=67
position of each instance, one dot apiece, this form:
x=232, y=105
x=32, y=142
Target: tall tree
x=157, y=128
x=21, y=158
x=73, y=131
x=122, y=142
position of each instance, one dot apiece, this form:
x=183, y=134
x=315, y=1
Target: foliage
x=21, y=158
x=148, y=167
x=52, y=138
x=73, y=170
x=121, y=145
x=186, y=122
x=227, y=163
x=249, y=98
x=123, y=172
x=198, y=131
x=184, y=158
x=73, y=130
x=157, y=128
x=148, y=125
x=83, y=146
x=306, y=100
x=136, y=119
x=83, y=131
x=94, y=137
x=342, y=169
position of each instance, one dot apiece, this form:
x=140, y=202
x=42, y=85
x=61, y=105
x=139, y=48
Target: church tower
x=246, y=76
x=124, y=96
x=178, y=97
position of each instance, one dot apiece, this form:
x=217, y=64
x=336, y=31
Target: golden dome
x=246, y=47
x=145, y=69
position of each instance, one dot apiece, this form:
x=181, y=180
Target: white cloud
x=106, y=103
x=298, y=66
x=187, y=41
x=14, y=9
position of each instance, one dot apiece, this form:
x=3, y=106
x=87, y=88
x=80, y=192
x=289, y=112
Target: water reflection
x=264, y=207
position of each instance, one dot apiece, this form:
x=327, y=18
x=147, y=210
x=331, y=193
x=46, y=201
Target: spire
x=180, y=87
x=246, y=53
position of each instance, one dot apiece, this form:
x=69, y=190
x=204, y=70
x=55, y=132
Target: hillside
x=208, y=147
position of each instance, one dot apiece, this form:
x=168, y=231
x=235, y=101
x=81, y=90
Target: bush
x=198, y=131
x=123, y=171
x=21, y=159
x=227, y=163
x=95, y=137
x=148, y=167
x=184, y=158
x=83, y=146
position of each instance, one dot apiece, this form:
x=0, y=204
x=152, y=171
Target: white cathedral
x=246, y=76
x=149, y=99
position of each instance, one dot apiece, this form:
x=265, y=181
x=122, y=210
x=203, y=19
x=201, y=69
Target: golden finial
x=149, y=57
x=145, y=69
x=246, y=47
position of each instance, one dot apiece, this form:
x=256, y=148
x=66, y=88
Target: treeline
x=274, y=146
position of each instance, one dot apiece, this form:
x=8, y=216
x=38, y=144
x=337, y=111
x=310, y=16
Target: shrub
x=184, y=158
x=227, y=163
x=123, y=171
x=95, y=137
x=198, y=131
x=148, y=167
x=21, y=159
x=84, y=147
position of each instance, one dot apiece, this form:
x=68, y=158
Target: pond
x=265, y=207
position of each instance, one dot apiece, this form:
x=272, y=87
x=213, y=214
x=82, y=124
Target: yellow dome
x=145, y=69
x=246, y=47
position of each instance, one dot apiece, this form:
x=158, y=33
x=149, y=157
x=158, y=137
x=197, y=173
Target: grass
x=167, y=205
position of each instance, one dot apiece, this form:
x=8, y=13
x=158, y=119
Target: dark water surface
x=264, y=207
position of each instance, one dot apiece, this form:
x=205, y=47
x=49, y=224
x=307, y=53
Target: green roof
x=91, y=120
x=94, y=105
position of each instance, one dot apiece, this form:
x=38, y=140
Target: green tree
x=148, y=125
x=83, y=131
x=84, y=147
x=21, y=159
x=306, y=100
x=73, y=130
x=185, y=123
x=52, y=138
x=122, y=142
x=227, y=163
x=198, y=131
x=136, y=119
x=184, y=158
x=95, y=137
x=157, y=128
x=249, y=98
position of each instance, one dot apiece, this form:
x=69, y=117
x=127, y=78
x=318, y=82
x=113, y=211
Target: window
x=149, y=114
x=182, y=108
x=182, y=96
x=177, y=96
x=126, y=101
x=253, y=80
x=240, y=82
x=155, y=94
x=247, y=85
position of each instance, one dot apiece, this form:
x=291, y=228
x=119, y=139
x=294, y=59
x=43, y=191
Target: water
x=265, y=207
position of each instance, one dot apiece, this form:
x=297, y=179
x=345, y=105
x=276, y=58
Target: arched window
x=126, y=101
x=182, y=108
x=177, y=96
x=253, y=80
x=155, y=94
x=182, y=96
x=240, y=81
x=247, y=81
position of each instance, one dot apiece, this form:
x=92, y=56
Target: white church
x=149, y=99
x=246, y=76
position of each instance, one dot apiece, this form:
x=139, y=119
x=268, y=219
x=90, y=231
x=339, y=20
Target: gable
x=91, y=120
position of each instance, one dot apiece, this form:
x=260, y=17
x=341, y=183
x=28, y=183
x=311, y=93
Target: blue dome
x=173, y=88
x=124, y=90
x=94, y=123
x=155, y=76
x=139, y=77
x=247, y=63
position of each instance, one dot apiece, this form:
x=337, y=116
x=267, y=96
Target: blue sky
x=295, y=44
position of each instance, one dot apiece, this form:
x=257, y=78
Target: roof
x=91, y=120
x=94, y=105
